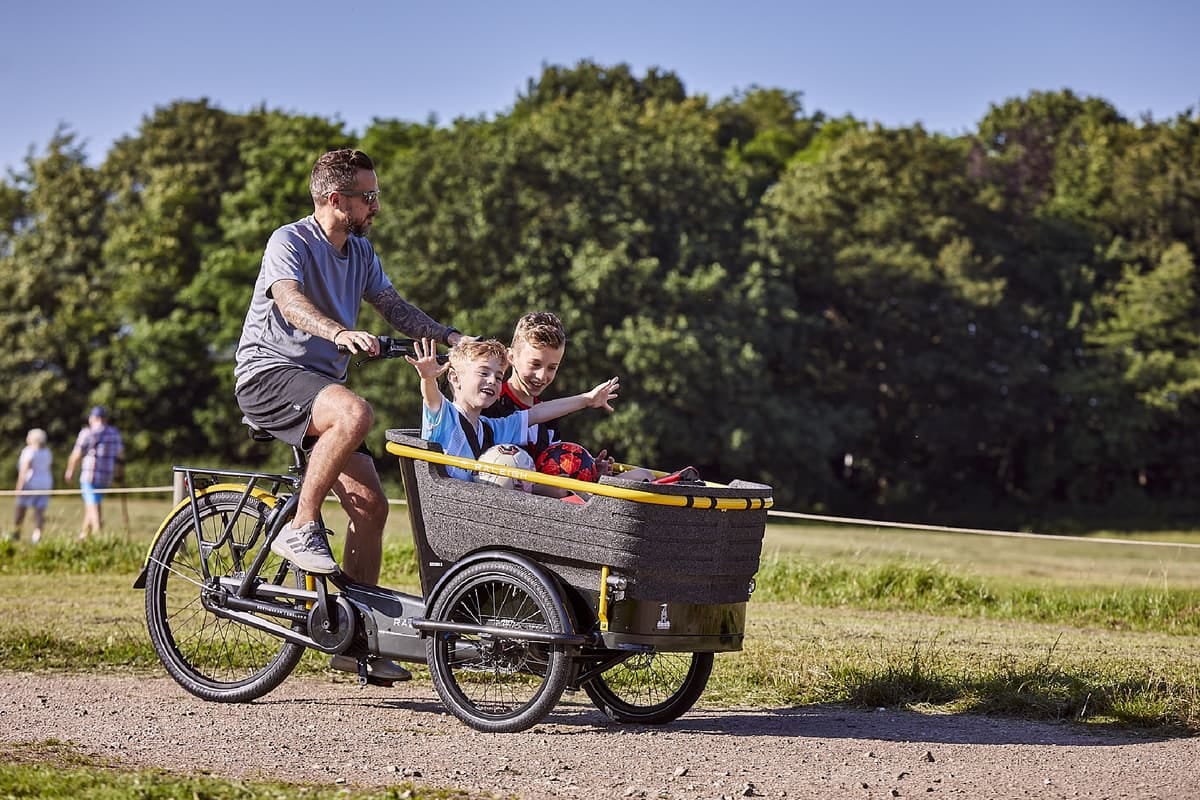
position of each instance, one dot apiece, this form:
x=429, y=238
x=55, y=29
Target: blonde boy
x=476, y=373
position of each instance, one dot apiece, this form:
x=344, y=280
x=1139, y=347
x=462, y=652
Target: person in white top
x=33, y=473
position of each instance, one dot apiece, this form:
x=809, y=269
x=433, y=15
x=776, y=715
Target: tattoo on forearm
x=300, y=311
x=405, y=317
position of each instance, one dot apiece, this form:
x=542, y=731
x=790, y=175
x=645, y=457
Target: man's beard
x=358, y=227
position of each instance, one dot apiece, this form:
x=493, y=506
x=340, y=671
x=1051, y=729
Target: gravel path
x=332, y=732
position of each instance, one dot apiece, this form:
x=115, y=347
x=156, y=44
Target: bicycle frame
x=249, y=487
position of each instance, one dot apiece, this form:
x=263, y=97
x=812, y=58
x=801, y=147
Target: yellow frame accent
x=259, y=494
x=605, y=490
x=602, y=611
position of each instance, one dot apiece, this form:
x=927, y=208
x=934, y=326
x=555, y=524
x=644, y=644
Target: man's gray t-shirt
x=335, y=283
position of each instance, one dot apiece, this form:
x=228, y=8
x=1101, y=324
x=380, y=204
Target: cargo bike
x=626, y=596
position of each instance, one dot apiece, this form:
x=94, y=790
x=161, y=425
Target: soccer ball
x=569, y=460
x=507, y=455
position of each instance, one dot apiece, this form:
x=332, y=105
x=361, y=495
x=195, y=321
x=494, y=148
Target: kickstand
x=363, y=678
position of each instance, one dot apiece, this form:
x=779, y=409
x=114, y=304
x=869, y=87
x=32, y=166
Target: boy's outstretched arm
x=430, y=370
x=601, y=396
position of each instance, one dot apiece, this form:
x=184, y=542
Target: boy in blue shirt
x=476, y=374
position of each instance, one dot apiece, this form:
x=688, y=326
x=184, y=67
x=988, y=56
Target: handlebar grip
x=394, y=347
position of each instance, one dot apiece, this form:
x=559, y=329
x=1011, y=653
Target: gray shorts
x=280, y=401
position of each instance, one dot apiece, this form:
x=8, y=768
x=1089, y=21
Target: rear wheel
x=651, y=688
x=491, y=682
x=212, y=657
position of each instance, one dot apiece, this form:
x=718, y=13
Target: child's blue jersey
x=445, y=429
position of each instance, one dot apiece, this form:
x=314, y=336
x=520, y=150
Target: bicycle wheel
x=214, y=658
x=495, y=684
x=651, y=688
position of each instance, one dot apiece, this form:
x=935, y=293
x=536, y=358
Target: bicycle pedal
x=379, y=682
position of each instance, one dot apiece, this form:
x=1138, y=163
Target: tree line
x=871, y=319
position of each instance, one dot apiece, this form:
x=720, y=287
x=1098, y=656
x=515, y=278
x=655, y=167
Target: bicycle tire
x=494, y=684
x=212, y=657
x=651, y=688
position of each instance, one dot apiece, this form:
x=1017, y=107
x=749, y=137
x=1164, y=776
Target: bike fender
x=260, y=494
x=516, y=558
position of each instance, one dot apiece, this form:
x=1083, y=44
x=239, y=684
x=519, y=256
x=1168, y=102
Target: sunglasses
x=368, y=197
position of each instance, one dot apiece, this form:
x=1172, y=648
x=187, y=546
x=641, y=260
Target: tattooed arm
x=300, y=311
x=410, y=320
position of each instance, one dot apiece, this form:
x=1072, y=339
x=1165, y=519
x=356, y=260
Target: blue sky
x=101, y=67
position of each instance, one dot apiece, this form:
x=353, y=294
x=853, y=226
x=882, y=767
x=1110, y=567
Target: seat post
x=299, y=460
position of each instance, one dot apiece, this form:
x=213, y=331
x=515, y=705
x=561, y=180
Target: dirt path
x=329, y=732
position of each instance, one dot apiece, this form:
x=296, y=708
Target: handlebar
x=392, y=347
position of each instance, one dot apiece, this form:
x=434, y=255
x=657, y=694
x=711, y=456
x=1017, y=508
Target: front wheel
x=212, y=657
x=493, y=683
x=651, y=688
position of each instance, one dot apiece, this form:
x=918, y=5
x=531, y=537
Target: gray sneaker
x=307, y=547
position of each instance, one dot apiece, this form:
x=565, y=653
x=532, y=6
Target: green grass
x=54, y=770
x=1063, y=629
x=1172, y=561
x=935, y=588
x=796, y=655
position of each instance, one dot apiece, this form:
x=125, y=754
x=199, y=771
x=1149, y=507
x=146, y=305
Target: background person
x=290, y=372
x=98, y=449
x=33, y=472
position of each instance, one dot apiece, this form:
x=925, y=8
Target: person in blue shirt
x=98, y=450
x=475, y=372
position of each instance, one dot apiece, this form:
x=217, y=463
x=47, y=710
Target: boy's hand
x=602, y=395
x=426, y=361
x=604, y=463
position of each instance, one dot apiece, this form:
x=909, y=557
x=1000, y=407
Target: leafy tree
x=276, y=157
x=607, y=200
x=891, y=339
x=588, y=79
x=872, y=320
x=762, y=130
x=54, y=298
x=1145, y=380
x=167, y=184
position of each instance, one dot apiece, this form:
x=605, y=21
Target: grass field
x=1048, y=628
x=1172, y=561
x=1071, y=629
x=57, y=771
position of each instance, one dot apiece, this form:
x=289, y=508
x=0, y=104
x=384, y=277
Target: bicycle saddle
x=256, y=433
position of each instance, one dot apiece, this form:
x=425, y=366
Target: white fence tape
x=916, y=526
x=867, y=523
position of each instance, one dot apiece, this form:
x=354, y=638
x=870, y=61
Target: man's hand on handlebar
x=390, y=347
x=357, y=342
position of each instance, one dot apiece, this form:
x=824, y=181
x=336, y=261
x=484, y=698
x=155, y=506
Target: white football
x=506, y=455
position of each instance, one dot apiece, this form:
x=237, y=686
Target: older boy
x=538, y=344
x=476, y=372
